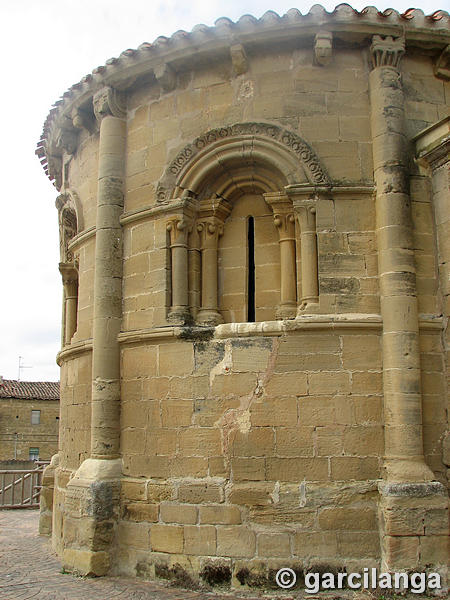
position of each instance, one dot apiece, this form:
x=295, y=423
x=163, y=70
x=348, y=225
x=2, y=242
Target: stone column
x=178, y=228
x=304, y=200
x=46, y=497
x=210, y=229
x=105, y=434
x=94, y=490
x=195, y=268
x=404, y=460
x=70, y=282
x=306, y=214
x=408, y=494
x=284, y=221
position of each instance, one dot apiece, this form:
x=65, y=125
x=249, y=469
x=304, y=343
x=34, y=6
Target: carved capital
x=387, y=51
x=109, y=101
x=323, y=48
x=239, y=59
x=179, y=228
x=69, y=273
x=283, y=214
x=305, y=211
x=209, y=232
x=166, y=77
x=285, y=224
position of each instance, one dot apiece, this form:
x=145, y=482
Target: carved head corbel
x=323, y=48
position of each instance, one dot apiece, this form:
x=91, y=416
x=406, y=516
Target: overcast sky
x=46, y=46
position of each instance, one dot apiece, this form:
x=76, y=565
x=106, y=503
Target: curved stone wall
x=253, y=353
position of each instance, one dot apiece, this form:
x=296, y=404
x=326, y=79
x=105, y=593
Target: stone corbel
x=67, y=140
x=109, y=102
x=442, y=64
x=238, y=59
x=82, y=120
x=323, y=48
x=166, y=77
x=387, y=51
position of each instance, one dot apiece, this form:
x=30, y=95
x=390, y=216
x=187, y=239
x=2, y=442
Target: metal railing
x=21, y=488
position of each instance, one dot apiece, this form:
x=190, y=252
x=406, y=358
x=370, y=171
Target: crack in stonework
x=236, y=420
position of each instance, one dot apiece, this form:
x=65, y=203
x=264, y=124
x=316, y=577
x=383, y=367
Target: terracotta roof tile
x=39, y=390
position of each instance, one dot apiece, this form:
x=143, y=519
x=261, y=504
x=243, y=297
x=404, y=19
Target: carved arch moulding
x=277, y=147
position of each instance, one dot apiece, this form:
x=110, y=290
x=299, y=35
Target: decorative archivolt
x=224, y=150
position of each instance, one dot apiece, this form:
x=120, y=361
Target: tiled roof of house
x=39, y=390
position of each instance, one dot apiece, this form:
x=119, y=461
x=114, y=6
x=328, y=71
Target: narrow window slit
x=251, y=270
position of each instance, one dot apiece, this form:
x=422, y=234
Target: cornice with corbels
x=229, y=41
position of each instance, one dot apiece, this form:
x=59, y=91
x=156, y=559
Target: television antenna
x=22, y=366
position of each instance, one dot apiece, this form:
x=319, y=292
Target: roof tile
x=39, y=390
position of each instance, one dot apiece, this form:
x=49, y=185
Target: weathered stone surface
x=255, y=275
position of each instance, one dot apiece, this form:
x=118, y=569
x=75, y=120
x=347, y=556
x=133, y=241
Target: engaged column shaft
x=105, y=427
x=401, y=359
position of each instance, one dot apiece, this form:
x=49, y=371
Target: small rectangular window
x=35, y=417
x=34, y=454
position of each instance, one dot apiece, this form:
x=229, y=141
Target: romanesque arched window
x=68, y=266
x=242, y=204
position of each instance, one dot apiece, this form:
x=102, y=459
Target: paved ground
x=29, y=569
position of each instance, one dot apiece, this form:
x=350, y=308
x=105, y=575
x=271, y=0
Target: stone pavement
x=30, y=570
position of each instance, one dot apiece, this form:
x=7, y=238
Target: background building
x=254, y=254
x=29, y=419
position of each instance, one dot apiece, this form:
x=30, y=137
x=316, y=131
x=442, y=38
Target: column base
x=407, y=470
x=287, y=310
x=414, y=528
x=46, y=497
x=308, y=307
x=210, y=317
x=180, y=315
x=91, y=512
